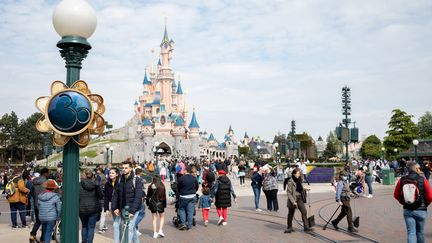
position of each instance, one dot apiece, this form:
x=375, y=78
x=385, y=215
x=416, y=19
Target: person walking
x=205, y=204
x=141, y=212
x=414, y=204
x=37, y=189
x=17, y=198
x=256, y=184
x=343, y=199
x=163, y=172
x=242, y=172
x=128, y=192
x=108, y=190
x=270, y=189
x=303, y=169
x=156, y=202
x=90, y=195
x=187, y=187
x=222, y=191
x=370, y=178
x=296, y=199
x=49, y=209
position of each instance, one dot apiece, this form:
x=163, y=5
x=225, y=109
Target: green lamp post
x=74, y=21
x=416, y=143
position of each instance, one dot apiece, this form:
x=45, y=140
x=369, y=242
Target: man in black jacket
x=128, y=192
x=187, y=187
x=37, y=189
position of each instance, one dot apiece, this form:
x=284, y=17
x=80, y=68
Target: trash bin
x=388, y=177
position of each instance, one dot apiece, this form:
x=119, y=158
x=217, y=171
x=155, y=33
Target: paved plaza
x=381, y=220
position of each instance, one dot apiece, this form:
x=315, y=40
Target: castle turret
x=194, y=136
x=147, y=133
x=178, y=132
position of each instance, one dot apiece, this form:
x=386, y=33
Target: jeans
x=257, y=194
x=369, y=180
x=47, y=229
x=37, y=224
x=415, y=221
x=116, y=228
x=141, y=214
x=306, y=179
x=88, y=226
x=21, y=207
x=186, y=211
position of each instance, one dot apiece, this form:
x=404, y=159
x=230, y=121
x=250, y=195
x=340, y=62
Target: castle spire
x=152, y=71
x=179, y=88
x=165, y=39
x=193, y=123
x=146, y=80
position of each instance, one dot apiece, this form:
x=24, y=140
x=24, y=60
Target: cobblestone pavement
x=380, y=219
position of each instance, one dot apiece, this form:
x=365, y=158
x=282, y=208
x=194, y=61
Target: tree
x=402, y=130
x=331, y=147
x=371, y=147
x=8, y=133
x=425, y=125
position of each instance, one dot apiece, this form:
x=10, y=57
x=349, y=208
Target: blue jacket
x=128, y=192
x=49, y=205
x=204, y=201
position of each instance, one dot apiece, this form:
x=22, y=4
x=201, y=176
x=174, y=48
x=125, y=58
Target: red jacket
x=398, y=194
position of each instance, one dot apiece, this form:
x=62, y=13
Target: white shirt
x=302, y=167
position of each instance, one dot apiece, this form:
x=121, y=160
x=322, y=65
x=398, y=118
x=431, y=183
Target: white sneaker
x=224, y=223
x=138, y=232
x=161, y=234
x=258, y=210
x=220, y=220
x=370, y=196
x=155, y=235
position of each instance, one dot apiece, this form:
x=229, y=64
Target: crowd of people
x=115, y=192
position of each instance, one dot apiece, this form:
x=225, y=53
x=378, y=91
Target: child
x=205, y=203
x=49, y=205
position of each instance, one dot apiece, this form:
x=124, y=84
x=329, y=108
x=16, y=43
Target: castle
x=159, y=126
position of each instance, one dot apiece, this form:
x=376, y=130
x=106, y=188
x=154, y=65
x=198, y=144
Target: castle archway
x=164, y=149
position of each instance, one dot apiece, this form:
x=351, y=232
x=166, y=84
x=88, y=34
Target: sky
x=255, y=65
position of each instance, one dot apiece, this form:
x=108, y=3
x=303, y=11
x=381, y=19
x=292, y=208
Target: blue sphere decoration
x=69, y=112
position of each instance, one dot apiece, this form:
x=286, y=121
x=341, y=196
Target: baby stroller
x=356, y=188
x=176, y=218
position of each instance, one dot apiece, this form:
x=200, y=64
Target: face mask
x=344, y=178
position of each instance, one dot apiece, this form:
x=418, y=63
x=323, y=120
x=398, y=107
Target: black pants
x=301, y=207
x=242, y=180
x=272, y=201
x=37, y=224
x=346, y=211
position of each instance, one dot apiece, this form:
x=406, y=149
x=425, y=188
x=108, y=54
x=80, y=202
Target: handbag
x=154, y=204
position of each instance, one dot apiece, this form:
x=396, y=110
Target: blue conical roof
x=179, y=88
x=146, y=80
x=159, y=62
x=193, y=123
x=147, y=122
x=165, y=39
x=136, y=102
x=179, y=122
x=211, y=137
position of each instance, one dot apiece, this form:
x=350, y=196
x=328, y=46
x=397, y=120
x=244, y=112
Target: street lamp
x=155, y=149
x=9, y=162
x=112, y=150
x=107, y=147
x=415, y=143
x=382, y=150
x=74, y=21
x=85, y=160
x=278, y=155
x=258, y=150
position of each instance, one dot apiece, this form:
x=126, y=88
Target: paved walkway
x=381, y=220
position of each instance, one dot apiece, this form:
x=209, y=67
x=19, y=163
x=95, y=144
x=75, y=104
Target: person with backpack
x=222, y=191
x=49, y=204
x=37, y=189
x=128, y=192
x=415, y=194
x=156, y=202
x=16, y=194
x=90, y=195
x=343, y=199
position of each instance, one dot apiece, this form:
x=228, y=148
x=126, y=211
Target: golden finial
x=152, y=62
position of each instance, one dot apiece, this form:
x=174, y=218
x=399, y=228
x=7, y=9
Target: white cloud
x=254, y=64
